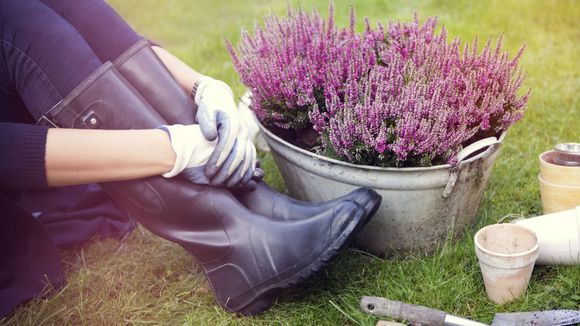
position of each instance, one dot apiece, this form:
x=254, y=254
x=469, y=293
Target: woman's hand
x=195, y=154
x=219, y=119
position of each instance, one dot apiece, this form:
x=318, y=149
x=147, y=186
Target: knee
x=24, y=20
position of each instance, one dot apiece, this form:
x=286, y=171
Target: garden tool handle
x=402, y=311
x=413, y=313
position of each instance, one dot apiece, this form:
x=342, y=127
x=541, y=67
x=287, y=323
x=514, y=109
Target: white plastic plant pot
x=559, y=235
x=506, y=254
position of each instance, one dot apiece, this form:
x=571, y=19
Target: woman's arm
x=184, y=75
x=75, y=156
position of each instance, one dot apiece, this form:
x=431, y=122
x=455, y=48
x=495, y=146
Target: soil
x=305, y=138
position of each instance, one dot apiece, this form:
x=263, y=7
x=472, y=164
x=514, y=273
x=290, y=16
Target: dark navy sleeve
x=22, y=155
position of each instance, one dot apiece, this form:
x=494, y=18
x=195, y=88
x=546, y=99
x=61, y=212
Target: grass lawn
x=147, y=280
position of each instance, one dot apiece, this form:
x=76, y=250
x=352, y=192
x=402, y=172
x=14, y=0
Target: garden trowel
x=424, y=316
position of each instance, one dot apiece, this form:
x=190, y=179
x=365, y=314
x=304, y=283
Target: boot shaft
x=104, y=101
x=143, y=69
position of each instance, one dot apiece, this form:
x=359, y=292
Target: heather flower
x=400, y=96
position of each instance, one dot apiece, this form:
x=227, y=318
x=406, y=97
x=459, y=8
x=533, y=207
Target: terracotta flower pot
x=507, y=254
x=559, y=184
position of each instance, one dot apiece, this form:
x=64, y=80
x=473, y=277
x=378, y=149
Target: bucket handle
x=472, y=148
x=462, y=155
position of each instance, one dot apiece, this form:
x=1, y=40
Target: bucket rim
x=281, y=141
x=535, y=248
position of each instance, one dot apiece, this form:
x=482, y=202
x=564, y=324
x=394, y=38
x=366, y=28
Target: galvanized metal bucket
x=421, y=207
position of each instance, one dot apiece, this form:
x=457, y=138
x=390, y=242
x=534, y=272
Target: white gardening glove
x=193, y=152
x=235, y=157
x=251, y=122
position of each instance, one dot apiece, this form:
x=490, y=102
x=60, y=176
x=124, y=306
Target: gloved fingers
x=206, y=119
x=247, y=177
x=231, y=135
x=235, y=178
x=251, y=179
x=225, y=144
x=250, y=155
x=250, y=186
x=221, y=174
x=240, y=154
x=246, y=168
x=258, y=175
x=232, y=163
x=247, y=183
x=243, y=153
x=250, y=172
x=195, y=175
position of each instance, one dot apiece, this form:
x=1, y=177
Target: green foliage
x=146, y=280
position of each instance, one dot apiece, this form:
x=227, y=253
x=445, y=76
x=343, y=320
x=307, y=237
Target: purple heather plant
x=404, y=96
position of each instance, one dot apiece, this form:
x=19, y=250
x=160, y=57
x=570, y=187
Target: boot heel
x=259, y=305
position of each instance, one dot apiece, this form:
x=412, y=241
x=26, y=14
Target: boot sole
x=262, y=300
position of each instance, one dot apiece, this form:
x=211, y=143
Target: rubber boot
x=146, y=73
x=247, y=258
x=266, y=201
x=143, y=69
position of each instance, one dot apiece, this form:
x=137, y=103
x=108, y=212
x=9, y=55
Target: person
x=100, y=126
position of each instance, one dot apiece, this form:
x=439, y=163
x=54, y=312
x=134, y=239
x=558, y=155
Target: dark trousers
x=46, y=49
x=50, y=46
